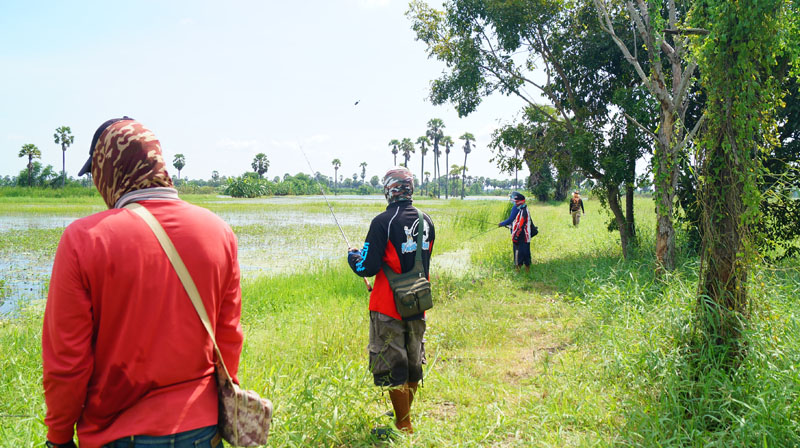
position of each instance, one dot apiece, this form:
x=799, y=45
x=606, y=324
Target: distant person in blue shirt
x=521, y=227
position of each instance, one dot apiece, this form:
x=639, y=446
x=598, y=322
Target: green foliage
x=179, y=161
x=250, y=185
x=738, y=62
x=260, y=164
x=406, y=146
x=541, y=183
x=72, y=190
x=40, y=176
x=246, y=187
x=779, y=227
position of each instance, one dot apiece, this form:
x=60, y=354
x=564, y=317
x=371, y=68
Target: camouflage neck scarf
x=127, y=157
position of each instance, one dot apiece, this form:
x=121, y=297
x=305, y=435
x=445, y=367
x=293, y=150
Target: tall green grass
x=587, y=349
x=71, y=192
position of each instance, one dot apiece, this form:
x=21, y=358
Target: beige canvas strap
x=183, y=273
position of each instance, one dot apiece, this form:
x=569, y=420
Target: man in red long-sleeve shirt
x=125, y=355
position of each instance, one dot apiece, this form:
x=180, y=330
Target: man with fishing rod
x=522, y=229
x=397, y=251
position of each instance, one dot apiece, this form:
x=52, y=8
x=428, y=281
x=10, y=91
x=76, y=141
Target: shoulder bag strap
x=420, y=231
x=180, y=269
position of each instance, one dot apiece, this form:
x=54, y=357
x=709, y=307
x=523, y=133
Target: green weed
x=587, y=349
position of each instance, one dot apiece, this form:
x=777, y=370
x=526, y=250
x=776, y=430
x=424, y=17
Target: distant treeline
x=249, y=184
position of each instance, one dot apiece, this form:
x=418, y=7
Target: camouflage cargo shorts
x=396, y=349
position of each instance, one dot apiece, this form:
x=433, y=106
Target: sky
x=222, y=81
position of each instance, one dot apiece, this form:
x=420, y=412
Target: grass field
x=586, y=350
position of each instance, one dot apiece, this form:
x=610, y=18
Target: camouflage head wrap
x=127, y=157
x=398, y=184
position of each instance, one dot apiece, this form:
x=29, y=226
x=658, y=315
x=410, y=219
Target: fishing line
x=484, y=233
x=313, y=174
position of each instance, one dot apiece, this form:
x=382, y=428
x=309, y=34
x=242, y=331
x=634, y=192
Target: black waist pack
x=412, y=290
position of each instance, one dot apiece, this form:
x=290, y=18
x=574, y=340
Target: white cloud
x=373, y=3
x=186, y=21
x=321, y=138
x=283, y=143
x=237, y=145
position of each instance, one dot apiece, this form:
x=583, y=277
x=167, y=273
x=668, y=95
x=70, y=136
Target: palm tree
x=448, y=143
x=215, y=177
x=435, y=134
x=453, y=175
x=427, y=176
x=467, y=137
x=64, y=137
x=30, y=151
x=260, y=164
x=336, y=164
x=422, y=141
x=394, y=144
x=363, y=166
x=179, y=162
x=407, y=147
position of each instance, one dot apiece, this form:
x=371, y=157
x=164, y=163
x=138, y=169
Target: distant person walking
x=521, y=227
x=125, y=356
x=576, y=208
x=396, y=344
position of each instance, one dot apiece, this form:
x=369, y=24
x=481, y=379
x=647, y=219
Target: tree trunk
x=63, y=166
x=463, y=175
x=336, y=176
x=422, y=172
x=614, y=205
x=723, y=274
x=563, y=184
x=447, y=170
x=630, y=223
x=665, y=182
x=30, y=171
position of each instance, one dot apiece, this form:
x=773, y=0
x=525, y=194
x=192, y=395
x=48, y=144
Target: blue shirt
x=514, y=212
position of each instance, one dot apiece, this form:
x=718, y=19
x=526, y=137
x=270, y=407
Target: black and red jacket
x=392, y=240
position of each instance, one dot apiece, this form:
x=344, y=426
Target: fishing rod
x=484, y=233
x=366, y=282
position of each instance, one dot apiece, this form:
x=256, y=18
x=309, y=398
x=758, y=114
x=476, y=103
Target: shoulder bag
x=412, y=290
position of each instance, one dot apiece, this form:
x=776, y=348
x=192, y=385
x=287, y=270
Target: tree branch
x=655, y=89
x=640, y=126
x=689, y=137
x=687, y=31
x=683, y=88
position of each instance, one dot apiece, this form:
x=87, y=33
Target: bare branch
x=673, y=13
x=639, y=20
x=640, y=126
x=691, y=134
x=516, y=91
x=683, y=88
x=655, y=86
x=550, y=60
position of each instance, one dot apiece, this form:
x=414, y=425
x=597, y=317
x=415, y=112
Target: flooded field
x=276, y=236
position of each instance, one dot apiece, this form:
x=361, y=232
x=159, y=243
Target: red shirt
x=124, y=352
